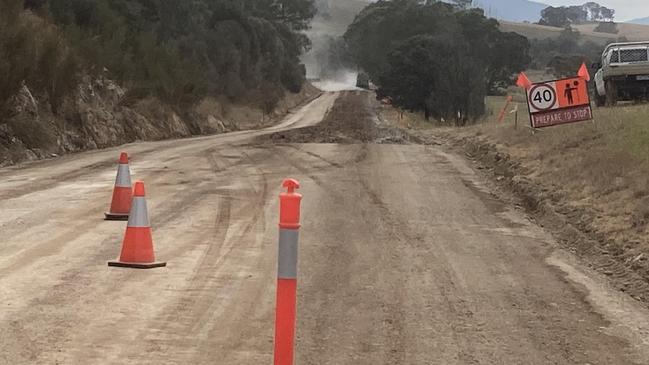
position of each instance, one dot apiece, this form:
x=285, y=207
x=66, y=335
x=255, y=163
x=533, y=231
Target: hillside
x=633, y=32
x=512, y=10
x=83, y=75
x=640, y=21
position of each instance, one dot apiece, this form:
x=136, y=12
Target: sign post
x=515, y=112
x=559, y=102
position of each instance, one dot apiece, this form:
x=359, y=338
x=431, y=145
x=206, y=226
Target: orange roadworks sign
x=572, y=92
x=559, y=102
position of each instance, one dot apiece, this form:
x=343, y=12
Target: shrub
x=607, y=27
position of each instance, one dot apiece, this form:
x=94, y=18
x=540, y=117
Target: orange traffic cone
x=122, y=193
x=137, y=248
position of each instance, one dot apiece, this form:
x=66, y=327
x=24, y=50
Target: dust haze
x=324, y=69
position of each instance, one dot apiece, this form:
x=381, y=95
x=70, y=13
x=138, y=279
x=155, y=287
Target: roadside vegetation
x=563, y=55
x=85, y=74
x=177, y=51
x=563, y=16
x=435, y=57
x=45, y=62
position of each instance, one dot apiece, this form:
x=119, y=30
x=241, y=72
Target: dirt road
x=405, y=259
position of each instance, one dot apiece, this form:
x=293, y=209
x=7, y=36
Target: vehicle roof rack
x=620, y=44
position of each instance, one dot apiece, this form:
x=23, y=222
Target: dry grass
x=633, y=32
x=597, y=173
x=595, y=162
x=601, y=157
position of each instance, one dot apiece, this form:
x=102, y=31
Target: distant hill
x=633, y=32
x=640, y=21
x=512, y=10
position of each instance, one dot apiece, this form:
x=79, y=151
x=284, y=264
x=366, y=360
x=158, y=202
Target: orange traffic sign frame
x=559, y=102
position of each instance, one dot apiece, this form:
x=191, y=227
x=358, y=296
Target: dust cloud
x=323, y=62
x=339, y=81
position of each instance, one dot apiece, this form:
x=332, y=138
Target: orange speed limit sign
x=559, y=102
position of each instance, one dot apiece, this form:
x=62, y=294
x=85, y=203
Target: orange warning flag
x=583, y=72
x=523, y=81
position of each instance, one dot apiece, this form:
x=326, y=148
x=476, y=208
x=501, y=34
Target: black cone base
x=116, y=217
x=137, y=265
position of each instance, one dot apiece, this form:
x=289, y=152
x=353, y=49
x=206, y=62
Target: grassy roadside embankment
x=587, y=183
x=633, y=32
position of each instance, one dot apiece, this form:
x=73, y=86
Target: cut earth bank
x=100, y=116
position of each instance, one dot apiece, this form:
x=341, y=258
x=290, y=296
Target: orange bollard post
x=501, y=116
x=285, y=312
x=120, y=205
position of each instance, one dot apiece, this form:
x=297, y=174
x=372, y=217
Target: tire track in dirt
x=558, y=332
x=52, y=310
x=299, y=148
x=169, y=210
x=53, y=244
x=55, y=180
x=392, y=314
x=296, y=163
x=56, y=321
x=247, y=336
x=77, y=280
x=192, y=313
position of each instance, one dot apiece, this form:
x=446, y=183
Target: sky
x=624, y=9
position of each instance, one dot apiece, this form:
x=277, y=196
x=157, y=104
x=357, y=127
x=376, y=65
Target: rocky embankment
x=100, y=115
x=354, y=118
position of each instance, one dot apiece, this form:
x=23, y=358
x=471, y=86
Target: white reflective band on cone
x=123, y=179
x=139, y=216
x=287, y=263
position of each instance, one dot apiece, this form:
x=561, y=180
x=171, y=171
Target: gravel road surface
x=405, y=258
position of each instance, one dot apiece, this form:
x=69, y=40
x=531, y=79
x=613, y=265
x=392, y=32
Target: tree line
x=563, y=16
x=435, y=57
x=178, y=51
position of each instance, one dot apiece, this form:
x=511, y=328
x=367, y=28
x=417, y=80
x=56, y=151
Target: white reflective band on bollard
x=287, y=260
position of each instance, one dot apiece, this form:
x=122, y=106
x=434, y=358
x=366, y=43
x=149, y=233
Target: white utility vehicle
x=623, y=73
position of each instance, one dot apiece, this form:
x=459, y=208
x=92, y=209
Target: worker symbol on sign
x=569, y=92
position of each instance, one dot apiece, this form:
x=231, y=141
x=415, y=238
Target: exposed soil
x=577, y=225
x=354, y=118
x=100, y=115
x=405, y=258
